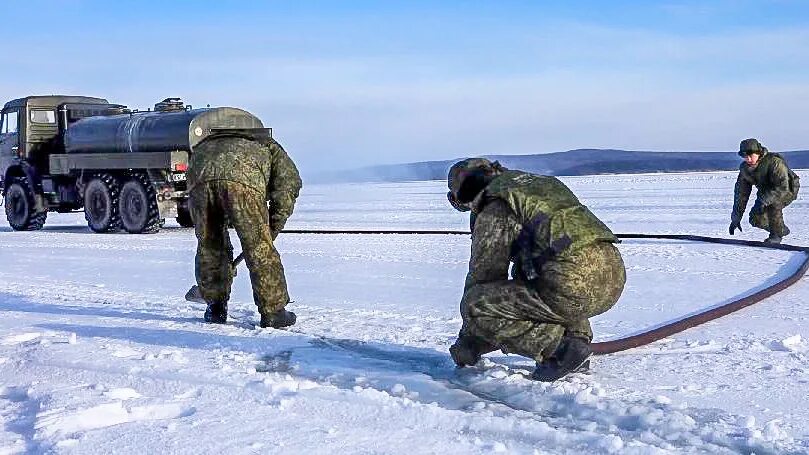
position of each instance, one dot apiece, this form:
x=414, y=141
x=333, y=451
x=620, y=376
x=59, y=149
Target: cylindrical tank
x=152, y=131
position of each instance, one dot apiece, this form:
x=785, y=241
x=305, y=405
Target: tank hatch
x=169, y=105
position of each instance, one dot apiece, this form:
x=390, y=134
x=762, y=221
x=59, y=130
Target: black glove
x=735, y=223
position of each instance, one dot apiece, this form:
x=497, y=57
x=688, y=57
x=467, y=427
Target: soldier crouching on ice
x=566, y=269
x=231, y=176
x=777, y=188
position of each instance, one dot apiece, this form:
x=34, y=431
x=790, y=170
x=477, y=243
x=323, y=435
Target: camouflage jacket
x=263, y=167
x=527, y=219
x=776, y=183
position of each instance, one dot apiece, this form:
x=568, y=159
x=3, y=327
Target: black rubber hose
x=649, y=336
x=622, y=344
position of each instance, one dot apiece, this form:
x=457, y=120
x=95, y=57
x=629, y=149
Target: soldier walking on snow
x=231, y=175
x=777, y=187
x=566, y=269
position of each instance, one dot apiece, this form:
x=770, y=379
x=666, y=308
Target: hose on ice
x=658, y=333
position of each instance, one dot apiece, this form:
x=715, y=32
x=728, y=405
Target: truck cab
x=30, y=132
x=31, y=127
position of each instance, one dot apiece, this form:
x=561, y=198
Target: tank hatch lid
x=170, y=105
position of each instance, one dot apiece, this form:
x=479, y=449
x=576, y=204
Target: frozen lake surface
x=100, y=353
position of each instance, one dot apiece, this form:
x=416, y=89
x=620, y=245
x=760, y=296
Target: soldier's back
x=230, y=158
x=550, y=210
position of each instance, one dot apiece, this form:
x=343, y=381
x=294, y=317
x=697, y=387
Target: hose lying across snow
x=671, y=328
x=622, y=344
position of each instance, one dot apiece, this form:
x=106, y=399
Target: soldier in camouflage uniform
x=566, y=268
x=777, y=187
x=232, y=175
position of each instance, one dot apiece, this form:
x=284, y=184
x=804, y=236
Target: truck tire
x=101, y=203
x=20, y=203
x=138, y=206
x=184, y=218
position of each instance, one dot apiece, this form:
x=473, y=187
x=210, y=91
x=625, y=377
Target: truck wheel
x=184, y=218
x=138, y=206
x=21, y=206
x=101, y=204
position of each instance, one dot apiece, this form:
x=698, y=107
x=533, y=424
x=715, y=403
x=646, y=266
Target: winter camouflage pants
x=770, y=218
x=530, y=318
x=213, y=206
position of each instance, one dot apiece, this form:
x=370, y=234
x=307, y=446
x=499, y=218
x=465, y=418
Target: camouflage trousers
x=530, y=319
x=770, y=218
x=216, y=204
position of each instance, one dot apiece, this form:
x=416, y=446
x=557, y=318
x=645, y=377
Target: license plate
x=178, y=177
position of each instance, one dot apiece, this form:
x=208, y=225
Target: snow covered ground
x=99, y=353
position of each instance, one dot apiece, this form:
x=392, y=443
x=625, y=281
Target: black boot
x=467, y=349
x=572, y=355
x=280, y=319
x=773, y=239
x=217, y=313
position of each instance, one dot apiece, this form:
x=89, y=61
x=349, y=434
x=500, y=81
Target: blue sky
x=347, y=84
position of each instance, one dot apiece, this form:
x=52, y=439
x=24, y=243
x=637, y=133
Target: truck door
x=9, y=140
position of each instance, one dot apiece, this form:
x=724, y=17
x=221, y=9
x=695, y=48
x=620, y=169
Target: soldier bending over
x=777, y=188
x=231, y=176
x=566, y=269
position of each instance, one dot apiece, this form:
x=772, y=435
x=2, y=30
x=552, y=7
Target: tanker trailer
x=129, y=168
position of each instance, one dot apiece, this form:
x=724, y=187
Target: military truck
x=125, y=168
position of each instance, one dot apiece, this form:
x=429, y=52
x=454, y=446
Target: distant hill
x=573, y=162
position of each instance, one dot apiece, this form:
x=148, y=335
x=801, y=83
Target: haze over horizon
x=356, y=83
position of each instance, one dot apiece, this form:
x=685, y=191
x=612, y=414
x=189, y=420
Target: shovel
x=193, y=294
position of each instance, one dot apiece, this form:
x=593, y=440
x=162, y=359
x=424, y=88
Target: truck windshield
x=43, y=116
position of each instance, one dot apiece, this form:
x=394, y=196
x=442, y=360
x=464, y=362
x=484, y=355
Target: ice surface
x=100, y=353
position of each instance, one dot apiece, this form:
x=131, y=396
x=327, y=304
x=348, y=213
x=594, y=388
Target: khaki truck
x=125, y=168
